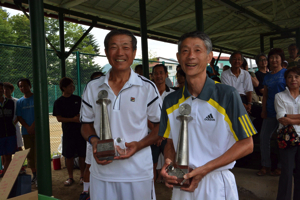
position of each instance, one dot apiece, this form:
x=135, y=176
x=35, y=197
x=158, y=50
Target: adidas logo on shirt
x=209, y=118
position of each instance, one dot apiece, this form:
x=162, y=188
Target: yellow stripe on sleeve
x=243, y=117
x=250, y=124
x=240, y=119
x=171, y=110
x=221, y=110
x=176, y=106
x=168, y=130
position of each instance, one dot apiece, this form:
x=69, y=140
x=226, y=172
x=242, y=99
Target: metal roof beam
x=266, y=16
x=219, y=22
x=163, y=13
x=236, y=39
x=185, y=16
x=253, y=3
x=72, y=3
x=287, y=9
x=236, y=31
x=249, y=14
x=115, y=4
x=266, y=46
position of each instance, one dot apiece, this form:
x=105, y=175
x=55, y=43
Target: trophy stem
x=105, y=132
x=182, y=152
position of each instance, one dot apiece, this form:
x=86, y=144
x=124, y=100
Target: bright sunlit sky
x=158, y=48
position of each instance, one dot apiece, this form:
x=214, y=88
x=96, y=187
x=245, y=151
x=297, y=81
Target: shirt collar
x=134, y=79
x=207, y=90
x=242, y=72
x=167, y=89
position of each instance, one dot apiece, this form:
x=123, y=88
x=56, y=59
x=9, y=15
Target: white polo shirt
x=242, y=83
x=286, y=104
x=219, y=120
x=128, y=112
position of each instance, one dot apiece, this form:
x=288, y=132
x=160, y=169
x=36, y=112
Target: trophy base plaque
x=106, y=149
x=179, y=172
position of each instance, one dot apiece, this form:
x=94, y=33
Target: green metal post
x=78, y=73
x=62, y=44
x=40, y=96
x=262, y=44
x=271, y=43
x=143, y=21
x=298, y=38
x=55, y=90
x=199, y=15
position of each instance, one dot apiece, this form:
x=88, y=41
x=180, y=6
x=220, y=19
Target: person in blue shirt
x=25, y=115
x=213, y=70
x=274, y=83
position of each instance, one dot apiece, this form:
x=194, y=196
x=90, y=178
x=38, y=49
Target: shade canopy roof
x=233, y=25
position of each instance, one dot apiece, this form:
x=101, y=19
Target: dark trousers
x=288, y=158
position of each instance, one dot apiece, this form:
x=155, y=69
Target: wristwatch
x=91, y=136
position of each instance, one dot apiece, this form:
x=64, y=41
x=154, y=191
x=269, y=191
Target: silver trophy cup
x=180, y=168
x=105, y=147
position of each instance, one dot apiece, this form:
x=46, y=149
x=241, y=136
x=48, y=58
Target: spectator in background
x=168, y=82
x=160, y=73
x=178, y=68
x=262, y=63
x=8, y=90
x=294, y=58
x=96, y=75
x=151, y=77
x=239, y=79
x=254, y=80
x=226, y=67
x=285, y=64
x=180, y=79
x=8, y=141
x=213, y=70
x=287, y=112
x=25, y=115
x=139, y=69
x=274, y=83
x=66, y=110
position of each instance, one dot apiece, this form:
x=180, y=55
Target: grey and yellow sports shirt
x=219, y=120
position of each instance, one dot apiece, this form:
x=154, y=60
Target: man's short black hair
x=120, y=32
x=64, y=82
x=96, y=74
x=294, y=44
x=24, y=79
x=181, y=72
x=9, y=85
x=160, y=65
x=137, y=67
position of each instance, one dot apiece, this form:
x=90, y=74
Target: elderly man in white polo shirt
x=134, y=99
x=239, y=79
x=219, y=133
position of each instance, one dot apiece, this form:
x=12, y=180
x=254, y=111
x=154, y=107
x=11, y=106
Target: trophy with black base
x=107, y=147
x=181, y=165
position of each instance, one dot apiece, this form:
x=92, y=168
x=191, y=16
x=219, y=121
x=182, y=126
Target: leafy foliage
x=16, y=63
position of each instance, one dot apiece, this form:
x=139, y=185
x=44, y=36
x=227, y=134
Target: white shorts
x=19, y=136
x=217, y=185
x=140, y=190
x=89, y=153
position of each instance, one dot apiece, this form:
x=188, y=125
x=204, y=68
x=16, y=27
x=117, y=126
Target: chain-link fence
x=16, y=63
